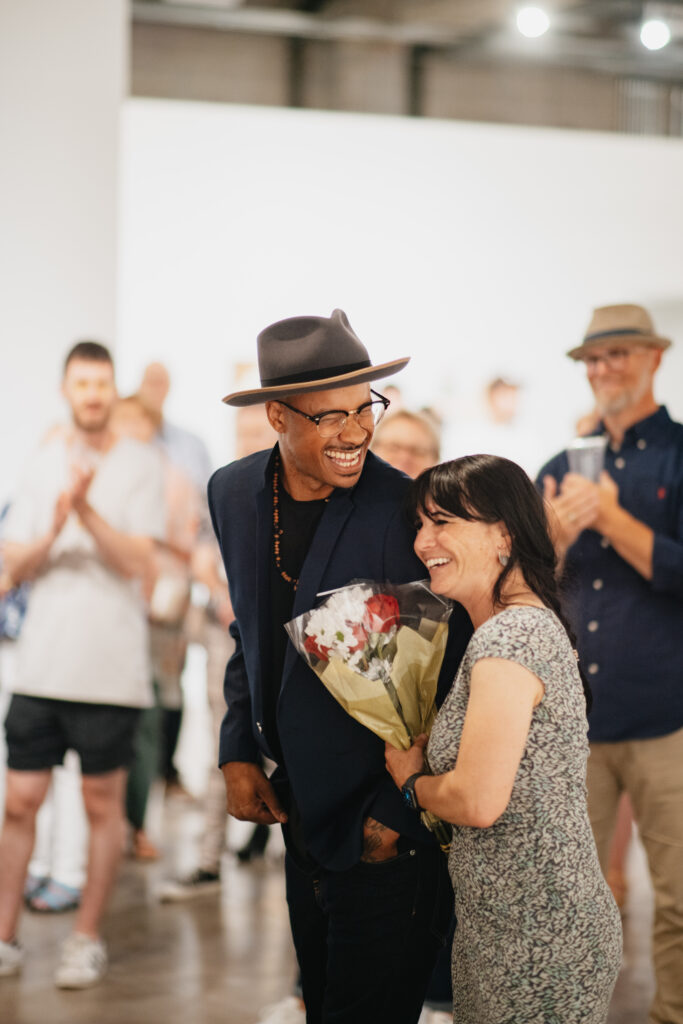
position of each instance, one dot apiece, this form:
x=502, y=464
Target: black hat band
x=306, y=378
x=618, y=333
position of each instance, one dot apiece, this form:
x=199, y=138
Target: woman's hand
x=401, y=764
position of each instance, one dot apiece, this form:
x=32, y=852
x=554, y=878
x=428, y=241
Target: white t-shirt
x=85, y=635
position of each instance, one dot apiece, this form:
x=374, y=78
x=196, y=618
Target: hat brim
x=646, y=341
x=368, y=373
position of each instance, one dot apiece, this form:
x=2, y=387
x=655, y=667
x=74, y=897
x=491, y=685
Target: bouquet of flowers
x=378, y=649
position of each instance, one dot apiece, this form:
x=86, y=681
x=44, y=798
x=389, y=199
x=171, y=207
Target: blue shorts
x=40, y=730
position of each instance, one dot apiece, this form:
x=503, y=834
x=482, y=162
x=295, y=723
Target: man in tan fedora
x=367, y=886
x=621, y=539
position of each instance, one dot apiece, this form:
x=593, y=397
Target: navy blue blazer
x=335, y=766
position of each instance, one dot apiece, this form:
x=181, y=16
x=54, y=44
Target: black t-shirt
x=298, y=523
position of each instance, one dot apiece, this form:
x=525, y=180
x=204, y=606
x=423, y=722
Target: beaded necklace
x=277, y=532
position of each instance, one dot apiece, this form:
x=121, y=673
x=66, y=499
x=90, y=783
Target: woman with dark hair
x=538, y=937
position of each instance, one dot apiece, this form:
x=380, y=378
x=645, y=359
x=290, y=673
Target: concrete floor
x=220, y=958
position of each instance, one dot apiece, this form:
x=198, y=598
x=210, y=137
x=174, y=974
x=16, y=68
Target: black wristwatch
x=408, y=791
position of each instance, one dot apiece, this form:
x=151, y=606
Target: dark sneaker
x=176, y=889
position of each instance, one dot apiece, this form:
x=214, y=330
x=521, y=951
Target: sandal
x=33, y=885
x=54, y=898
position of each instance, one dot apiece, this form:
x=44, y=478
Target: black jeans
x=367, y=939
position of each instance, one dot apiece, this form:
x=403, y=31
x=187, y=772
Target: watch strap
x=408, y=790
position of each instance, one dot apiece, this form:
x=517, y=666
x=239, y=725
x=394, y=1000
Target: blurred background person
x=168, y=591
x=408, y=441
x=13, y=600
x=498, y=429
x=184, y=448
x=83, y=527
x=188, y=452
x=56, y=872
x=587, y=424
x=620, y=539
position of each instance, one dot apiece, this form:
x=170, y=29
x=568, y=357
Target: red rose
x=381, y=613
x=312, y=647
x=360, y=636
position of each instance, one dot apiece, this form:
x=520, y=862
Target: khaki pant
x=651, y=772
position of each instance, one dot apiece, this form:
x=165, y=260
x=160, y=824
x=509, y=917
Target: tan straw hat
x=619, y=325
x=311, y=353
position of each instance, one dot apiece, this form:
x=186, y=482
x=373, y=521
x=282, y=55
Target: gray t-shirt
x=85, y=635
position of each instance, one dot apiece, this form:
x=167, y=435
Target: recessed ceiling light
x=532, y=22
x=655, y=33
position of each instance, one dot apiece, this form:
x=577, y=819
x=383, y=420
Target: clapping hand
x=61, y=514
x=580, y=504
x=81, y=479
x=574, y=507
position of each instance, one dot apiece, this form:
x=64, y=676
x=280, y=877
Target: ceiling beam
x=571, y=45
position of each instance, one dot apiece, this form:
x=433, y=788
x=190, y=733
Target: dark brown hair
x=91, y=351
x=490, y=489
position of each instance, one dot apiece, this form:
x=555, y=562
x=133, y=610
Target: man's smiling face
x=313, y=465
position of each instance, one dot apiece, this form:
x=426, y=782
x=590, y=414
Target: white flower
x=355, y=659
x=378, y=668
x=332, y=625
x=322, y=625
x=348, y=604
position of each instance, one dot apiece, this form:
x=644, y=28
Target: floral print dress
x=538, y=936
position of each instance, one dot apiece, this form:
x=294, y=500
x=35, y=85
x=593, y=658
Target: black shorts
x=40, y=730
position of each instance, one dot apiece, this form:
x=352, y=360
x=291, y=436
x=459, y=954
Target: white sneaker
x=174, y=890
x=11, y=958
x=287, y=1011
x=84, y=962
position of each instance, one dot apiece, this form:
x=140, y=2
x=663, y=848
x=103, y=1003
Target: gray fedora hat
x=311, y=353
x=619, y=325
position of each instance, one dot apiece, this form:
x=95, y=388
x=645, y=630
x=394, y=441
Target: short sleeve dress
x=538, y=936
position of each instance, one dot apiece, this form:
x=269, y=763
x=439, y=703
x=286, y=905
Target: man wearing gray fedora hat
x=621, y=540
x=367, y=886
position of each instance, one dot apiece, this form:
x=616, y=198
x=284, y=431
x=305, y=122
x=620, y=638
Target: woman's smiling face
x=460, y=554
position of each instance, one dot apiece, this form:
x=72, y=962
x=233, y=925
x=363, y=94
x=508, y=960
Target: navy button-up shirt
x=629, y=629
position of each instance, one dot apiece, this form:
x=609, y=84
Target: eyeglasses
x=613, y=358
x=331, y=423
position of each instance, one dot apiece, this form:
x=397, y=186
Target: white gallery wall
x=475, y=249
x=62, y=83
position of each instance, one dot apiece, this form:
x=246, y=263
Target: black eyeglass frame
x=386, y=402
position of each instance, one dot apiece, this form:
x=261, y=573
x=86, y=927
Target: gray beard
x=624, y=401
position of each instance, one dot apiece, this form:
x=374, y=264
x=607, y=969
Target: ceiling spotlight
x=654, y=34
x=532, y=22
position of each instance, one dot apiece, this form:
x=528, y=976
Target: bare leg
x=103, y=796
x=25, y=793
x=620, y=844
